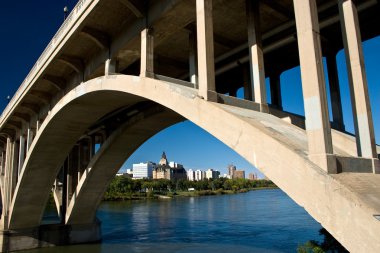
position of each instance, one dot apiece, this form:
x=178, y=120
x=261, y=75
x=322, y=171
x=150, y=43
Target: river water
x=257, y=221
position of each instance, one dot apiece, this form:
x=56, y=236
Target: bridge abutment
x=49, y=235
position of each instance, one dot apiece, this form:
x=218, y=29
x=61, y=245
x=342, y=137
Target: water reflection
x=257, y=221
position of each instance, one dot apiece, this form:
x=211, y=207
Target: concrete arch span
x=277, y=148
x=110, y=157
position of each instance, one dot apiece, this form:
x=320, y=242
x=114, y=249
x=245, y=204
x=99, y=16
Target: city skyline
x=183, y=142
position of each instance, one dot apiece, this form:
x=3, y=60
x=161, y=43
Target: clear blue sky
x=26, y=27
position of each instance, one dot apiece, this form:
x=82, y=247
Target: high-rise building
x=191, y=175
x=143, y=170
x=212, y=174
x=231, y=170
x=199, y=175
x=238, y=174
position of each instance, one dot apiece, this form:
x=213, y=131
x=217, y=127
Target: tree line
x=124, y=187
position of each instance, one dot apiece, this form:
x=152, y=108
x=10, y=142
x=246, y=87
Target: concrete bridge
x=119, y=71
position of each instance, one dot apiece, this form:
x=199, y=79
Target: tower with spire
x=163, y=161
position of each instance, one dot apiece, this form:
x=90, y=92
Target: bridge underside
x=119, y=71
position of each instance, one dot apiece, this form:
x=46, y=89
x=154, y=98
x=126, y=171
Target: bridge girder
x=136, y=7
x=73, y=62
x=56, y=81
x=100, y=38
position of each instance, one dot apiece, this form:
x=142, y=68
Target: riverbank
x=127, y=189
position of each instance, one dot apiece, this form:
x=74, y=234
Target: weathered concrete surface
x=343, y=205
x=49, y=235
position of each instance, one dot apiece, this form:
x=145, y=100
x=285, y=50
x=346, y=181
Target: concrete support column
x=72, y=172
x=92, y=146
x=2, y=163
x=14, y=167
x=193, y=61
x=110, y=67
x=275, y=91
x=6, y=188
x=21, y=153
x=29, y=138
x=10, y=180
x=147, y=53
x=365, y=138
x=64, y=190
x=313, y=85
x=38, y=124
x=248, y=92
x=84, y=157
x=336, y=103
x=205, y=40
x=256, y=55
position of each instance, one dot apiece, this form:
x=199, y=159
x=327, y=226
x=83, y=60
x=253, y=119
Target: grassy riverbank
x=122, y=188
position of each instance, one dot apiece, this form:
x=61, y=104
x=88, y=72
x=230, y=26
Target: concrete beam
x=357, y=80
x=313, y=85
x=25, y=117
x=218, y=39
x=100, y=38
x=9, y=132
x=16, y=124
x=45, y=97
x=205, y=40
x=34, y=108
x=74, y=63
x=58, y=82
x=160, y=59
x=274, y=5
x=137, y=7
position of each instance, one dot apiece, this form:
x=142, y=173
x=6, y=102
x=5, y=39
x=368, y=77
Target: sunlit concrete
x=276, y=147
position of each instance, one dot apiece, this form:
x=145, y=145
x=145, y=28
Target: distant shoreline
x=181, y=194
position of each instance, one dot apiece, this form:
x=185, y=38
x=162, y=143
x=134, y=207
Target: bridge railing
x=46, y=55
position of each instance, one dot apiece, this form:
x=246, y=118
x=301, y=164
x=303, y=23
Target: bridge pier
x=336, y=103
x=313, y=86
x=361, y=108
x=256, y=55
x=205, y=50
x=49, y=235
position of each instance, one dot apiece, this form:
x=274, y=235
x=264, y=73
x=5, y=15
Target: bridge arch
x=277, y=148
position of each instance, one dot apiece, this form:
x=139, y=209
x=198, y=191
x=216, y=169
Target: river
x=257, y=221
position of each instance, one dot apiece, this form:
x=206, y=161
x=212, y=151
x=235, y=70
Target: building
x=231, y=170
x=226, y=176
x=143, y=170
x=212, y=174
x=238, y=174
x=175, y=165
x=199, y=175
x=252, y=176
x=170, y=171
x=191, y=175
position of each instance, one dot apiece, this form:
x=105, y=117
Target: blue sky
x=26, y=27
